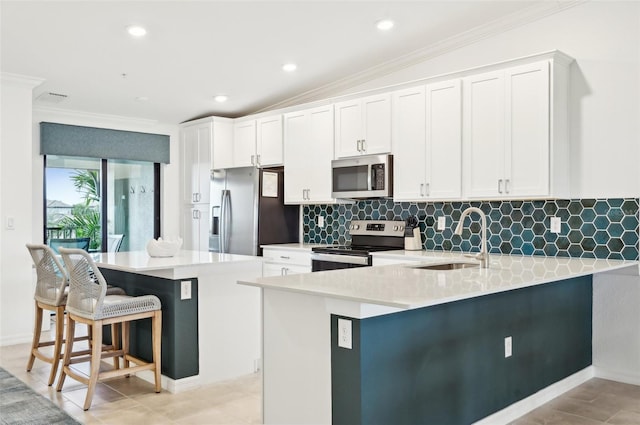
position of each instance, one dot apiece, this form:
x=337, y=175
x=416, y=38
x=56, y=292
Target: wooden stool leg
x=157, y=352
x=115, y=343
x=125, y=343
x=96, y=355
x=37, y=329
x=68, y=347
x=57, y=346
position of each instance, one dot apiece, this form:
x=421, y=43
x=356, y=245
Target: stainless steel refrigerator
x=247, y=210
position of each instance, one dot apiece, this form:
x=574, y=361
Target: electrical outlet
x=320, y=221
x=508, y=347
x=185, y=290
x=442, y=222
x=344, y=333
x=555, y=225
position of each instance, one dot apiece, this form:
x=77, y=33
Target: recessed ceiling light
x=142, y=98
x=136, y=30
x=220, y=98
x=384, y=24
x=289, y=67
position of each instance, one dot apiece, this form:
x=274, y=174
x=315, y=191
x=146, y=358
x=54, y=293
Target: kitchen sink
x=447, y=266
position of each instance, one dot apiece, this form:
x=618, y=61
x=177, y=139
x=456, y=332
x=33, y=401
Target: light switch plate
x=320, y=221
x=442, y=222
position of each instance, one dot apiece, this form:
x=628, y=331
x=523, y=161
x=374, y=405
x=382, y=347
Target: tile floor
x=132, y=400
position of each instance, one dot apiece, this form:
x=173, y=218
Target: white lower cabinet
x=278, y=262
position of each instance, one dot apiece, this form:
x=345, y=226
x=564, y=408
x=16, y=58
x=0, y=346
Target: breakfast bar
x=211, y=325
x=409, y=343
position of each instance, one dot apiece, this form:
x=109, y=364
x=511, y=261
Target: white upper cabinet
x=222, y=145
x=244, y=143
x=510, y=148
x=308, y=151
x=195, y=162
x=427, y=142
x=269, y=146
x=363, y=126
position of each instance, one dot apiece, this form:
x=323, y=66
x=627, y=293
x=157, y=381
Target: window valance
x=91, y=142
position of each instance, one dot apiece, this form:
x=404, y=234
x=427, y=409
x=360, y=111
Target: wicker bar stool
x=89, y=303
x=52, y=285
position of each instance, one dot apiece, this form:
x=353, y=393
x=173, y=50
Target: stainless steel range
x=367, y=236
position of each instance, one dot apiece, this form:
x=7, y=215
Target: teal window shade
x=73, y=140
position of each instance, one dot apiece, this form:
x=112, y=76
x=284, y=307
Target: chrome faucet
x=483, y=255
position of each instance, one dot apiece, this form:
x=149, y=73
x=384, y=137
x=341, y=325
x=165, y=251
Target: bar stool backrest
x=87, y=287
x=51, y=275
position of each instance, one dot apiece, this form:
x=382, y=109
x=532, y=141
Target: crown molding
x=69, y=113
x=21, y=80
x=525, y=16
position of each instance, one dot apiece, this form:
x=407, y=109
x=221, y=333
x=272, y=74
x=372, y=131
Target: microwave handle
x=369, y=177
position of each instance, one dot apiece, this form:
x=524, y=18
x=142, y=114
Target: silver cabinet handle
x=195, y=214
x=364, y=145
x=421, y=189
x=506, y=186
x=284, y=257
x=499, y=185
x=427, y=192
x=358, y=145
x=257, y=160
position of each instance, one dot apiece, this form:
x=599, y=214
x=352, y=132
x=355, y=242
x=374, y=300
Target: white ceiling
x=197, y=49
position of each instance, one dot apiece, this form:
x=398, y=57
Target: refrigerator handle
x=225, y=221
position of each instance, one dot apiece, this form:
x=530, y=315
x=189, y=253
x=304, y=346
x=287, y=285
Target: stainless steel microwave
x=368, y=176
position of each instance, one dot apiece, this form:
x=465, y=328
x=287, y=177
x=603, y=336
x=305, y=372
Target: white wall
x=16, y=277
x=21, y=197
x=604, y=39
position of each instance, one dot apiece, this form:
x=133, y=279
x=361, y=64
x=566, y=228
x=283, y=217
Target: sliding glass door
x=113, y=203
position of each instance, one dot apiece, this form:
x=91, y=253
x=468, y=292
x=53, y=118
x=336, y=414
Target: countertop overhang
x=407, y=287
x=140, y=261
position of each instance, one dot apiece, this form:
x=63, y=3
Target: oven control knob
x=355, y=226
x=395, y=227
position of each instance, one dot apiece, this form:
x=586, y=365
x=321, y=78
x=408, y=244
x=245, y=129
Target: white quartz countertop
x=405, y=286
x=140, y=261
x=294, y=246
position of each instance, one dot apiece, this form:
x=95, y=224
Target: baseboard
x=16, y=339
x=536, y=400
x=612, y=375
x=174, y=386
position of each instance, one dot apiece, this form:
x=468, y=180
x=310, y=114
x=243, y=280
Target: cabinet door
x=195, y=228
x=222, y=145
x=484, y=134
x=269, y=141
x=348, y=122
x=376, y=124
x=443, y=140
x=527, y=130
x=409, y=125
x=319, y=155
x=195, y=163
x=244, y=144
x=297, y=141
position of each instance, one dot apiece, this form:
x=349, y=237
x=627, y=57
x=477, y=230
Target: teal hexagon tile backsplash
x=590, y=228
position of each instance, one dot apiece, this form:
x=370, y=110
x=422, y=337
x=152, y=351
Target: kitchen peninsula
x=403, y=344
x=210, y=325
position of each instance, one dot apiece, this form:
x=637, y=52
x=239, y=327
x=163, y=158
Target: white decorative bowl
x=163, y=247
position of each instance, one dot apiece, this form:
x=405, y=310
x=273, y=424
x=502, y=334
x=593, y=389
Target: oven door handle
x=348, y=259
